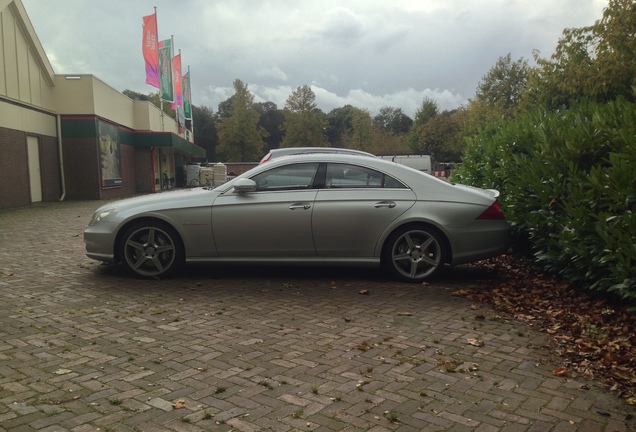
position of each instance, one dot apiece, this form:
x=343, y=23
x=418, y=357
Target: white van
x=419, y=162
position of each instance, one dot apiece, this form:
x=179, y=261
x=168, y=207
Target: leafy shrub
x=568, y=183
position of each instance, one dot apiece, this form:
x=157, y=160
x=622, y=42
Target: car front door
x=354, y=208
x=272, y=221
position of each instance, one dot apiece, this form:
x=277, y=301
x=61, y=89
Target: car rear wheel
x=151, y=249
x=414, y=254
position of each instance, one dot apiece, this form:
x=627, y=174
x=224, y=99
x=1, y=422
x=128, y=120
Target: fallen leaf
x=63, y=371
x=631, y=401
x=561, y=372
x=476, y=342
x=179, y=404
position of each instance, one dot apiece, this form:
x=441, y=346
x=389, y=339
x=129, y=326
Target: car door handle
x=302, y=206
x=382, y=204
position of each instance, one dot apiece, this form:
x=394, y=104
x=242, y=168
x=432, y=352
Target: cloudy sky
x=366, y=53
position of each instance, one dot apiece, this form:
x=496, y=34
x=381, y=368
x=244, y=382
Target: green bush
x=568, y=183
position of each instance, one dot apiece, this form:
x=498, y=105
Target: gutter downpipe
x=61, y=154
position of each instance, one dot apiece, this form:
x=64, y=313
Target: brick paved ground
x=83, y=347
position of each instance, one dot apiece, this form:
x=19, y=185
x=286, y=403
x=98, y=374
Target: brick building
x=74, y=136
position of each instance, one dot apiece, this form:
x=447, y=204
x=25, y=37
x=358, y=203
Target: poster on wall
x=110, y=155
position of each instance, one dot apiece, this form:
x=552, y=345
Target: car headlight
x=100, y=215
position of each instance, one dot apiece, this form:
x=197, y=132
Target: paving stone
x=281, y=342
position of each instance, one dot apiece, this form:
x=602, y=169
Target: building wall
x=50, y=169
x=81, y=168
x=144, y=174
x=26, y=74
x=14, y=173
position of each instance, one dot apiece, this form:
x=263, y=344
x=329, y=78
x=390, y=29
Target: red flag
x=176, y=76
x=150, y=50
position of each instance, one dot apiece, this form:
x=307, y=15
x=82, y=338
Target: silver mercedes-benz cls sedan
x=321, y=208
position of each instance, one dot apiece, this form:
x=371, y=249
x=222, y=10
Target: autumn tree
x=361, y=136
x=596, y=63
x=501, y=88
x=427, y=110
x=240, y=137
x=441, y=136
x=304, y=124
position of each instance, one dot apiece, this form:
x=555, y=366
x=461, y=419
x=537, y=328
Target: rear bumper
x=480, y=240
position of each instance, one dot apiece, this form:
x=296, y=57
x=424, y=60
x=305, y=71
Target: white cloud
x=367, y=53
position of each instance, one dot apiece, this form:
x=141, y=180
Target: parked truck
x=419, y=162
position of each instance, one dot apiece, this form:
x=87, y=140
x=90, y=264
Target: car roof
x=307, y=150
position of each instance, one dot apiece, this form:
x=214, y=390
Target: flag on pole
x=187, y=96
x=149, y=48
x=176, y=74
x=165, y=67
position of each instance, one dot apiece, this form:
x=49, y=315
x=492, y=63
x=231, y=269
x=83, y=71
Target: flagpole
x=163, y=128
x=190, y=102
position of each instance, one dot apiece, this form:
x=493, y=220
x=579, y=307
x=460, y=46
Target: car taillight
x=492, y=213
x=267, y=157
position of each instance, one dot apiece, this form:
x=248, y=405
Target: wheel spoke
x=402, y=256
x=158, y=264
x=427, y=243
x=164, y=248
x=151, y=236
x=141, y=259
x=430, y=261
x=409, y=241
x=414, y=267
x=135, y=245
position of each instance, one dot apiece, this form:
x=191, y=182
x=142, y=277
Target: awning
x=166, y=139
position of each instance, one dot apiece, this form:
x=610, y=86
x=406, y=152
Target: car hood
x=181, y=198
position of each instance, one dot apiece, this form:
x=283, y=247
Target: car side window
x=353, y=176
x=288, y=177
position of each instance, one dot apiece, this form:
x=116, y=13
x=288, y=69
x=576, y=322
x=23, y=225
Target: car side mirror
x=244, y=185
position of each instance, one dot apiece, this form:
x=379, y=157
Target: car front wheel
x=414, y=254
x=151, y=249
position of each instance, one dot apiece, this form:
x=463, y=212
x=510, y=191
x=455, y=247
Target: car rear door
x=354, y=208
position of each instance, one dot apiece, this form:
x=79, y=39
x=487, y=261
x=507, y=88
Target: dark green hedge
x=568, y=183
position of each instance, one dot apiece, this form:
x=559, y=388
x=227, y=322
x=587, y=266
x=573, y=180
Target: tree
x=135, y=95
x=393, y=120
x=501, y=88
x=205, y=133
x=596, y=62
x=361, y=136
x=271, y=119
x=339, y=125
x=240, y=137
x=441, y=137
x=304, y=124
x=427, y=110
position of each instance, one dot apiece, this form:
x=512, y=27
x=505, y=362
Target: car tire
x=414, y=253
x=151, y=249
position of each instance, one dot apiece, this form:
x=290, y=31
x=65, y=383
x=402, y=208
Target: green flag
x=187, y=107
x=165, y=67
